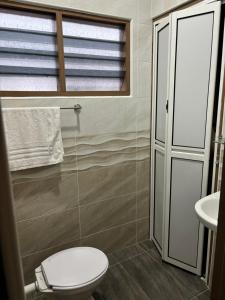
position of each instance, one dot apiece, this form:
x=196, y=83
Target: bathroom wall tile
x=143, y=231
x=105, y=158
x=143, y=188
x=106, y=214
x=143, y=175
x=143, y=129
x=144, y=82
x=48, y=231
x=117, y=8
x=144, y=11
x=144, y=42
x=112, y=239
x=30, y=262
x=35, y=174
x=143, y=114
x=69, y=164
x=36, y=198
x=69, y=122
x=160, y=7
x=105, y=183
x=143, y=209
x=110, y=115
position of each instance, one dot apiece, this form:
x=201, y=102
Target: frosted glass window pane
x=97, y=48
x=26, y=21
x=92, y=30
x=28, y=54
x=93, y=84
x=92, y=47
x=92, y=64
x=25, y=60
x=28, y=83
x=193, y=61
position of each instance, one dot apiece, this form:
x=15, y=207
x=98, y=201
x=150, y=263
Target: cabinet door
x=160, y=96
x=193, y=60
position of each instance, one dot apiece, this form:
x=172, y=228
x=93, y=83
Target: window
x=62, y=53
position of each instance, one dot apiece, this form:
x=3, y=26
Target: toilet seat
x=74, y=268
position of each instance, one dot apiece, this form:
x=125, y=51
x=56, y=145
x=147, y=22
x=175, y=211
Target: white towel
x=33, y=137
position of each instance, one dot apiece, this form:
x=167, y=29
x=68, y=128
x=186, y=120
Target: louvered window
x=27, y=51
x=54, y=52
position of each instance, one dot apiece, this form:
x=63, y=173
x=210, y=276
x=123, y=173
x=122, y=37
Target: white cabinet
x=192, y=44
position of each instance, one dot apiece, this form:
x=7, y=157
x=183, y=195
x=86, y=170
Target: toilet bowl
x=72, y=274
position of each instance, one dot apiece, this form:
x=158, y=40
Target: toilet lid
x=74, y=267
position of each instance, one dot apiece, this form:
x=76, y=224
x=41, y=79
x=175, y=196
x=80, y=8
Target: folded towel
x=33, y=137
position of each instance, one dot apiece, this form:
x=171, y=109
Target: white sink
x=207, y=210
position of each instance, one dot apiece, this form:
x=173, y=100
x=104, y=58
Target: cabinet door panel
x=161, y=84
x=186, y=186
x=158, y=196
x=193, y=68
x=193, y=62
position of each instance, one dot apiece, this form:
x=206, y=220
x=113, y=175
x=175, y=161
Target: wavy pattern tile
x=88, y=152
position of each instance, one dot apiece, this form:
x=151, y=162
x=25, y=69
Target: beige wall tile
x=106, y=115
x=35, y=174
x=144, y=80
x=118, y=8
x=143, y=232
x=143, y=189
x=105, y=183
x=144, y=11
x=143, y=114
x=112, y=239
x=143, y=175
x=48, y=231
x=106, y=214
x=143, y=205
x=162, y=6
x=36, y=198
x=144, y=43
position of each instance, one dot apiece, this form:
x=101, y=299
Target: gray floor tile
x=127, y=253
x=118, y=285
x=161, y=281
x=150, y=249
x=190, y=284
x=203, y=296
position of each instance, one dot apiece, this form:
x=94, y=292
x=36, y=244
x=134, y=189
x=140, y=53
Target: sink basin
x=207, y=210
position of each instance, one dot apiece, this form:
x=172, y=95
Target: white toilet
x=72, y=274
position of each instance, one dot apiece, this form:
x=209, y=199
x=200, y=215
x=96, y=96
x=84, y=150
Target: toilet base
x=86, y=296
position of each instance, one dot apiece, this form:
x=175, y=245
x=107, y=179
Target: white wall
x=159, y=7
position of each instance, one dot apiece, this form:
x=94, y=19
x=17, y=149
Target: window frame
x=58, y=15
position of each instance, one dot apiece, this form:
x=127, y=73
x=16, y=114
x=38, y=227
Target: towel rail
x=76, y=107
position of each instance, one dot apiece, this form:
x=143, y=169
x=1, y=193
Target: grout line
x=113, y=227
x=133, y=279
x=199, y=294
x=136, y=173
x=108, y=199
x=146, y=252
x=78, y=187
x=49, y=248
x=47, y=214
